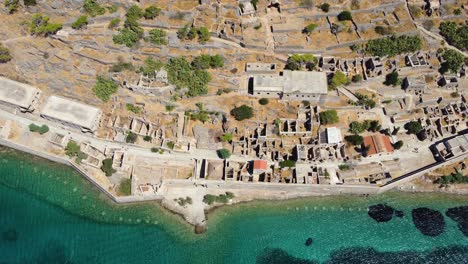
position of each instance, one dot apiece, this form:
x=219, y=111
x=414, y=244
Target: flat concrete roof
x=71, y=111
x=334, y=135
x=269, y=83
x=17, y=93
x=302, y=82
x=306, y=82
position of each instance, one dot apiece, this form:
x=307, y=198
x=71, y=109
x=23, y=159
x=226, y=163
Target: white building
x=72, y=114
x=291, y=85
x=334, y=135
x=18, y=95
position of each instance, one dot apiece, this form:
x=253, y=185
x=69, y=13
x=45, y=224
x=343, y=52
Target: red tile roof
x=260, y=165
x=378, y=143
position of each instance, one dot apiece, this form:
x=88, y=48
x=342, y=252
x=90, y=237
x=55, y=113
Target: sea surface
x=50, y=214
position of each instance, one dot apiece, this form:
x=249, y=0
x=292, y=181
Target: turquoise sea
x=50, y=214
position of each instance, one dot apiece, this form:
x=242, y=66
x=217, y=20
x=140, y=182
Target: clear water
x=49, y=214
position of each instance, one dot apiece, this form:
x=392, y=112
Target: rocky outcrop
x=429, y=222
x=459, y=215
x=381, y=212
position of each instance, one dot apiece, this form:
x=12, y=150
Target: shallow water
x=49, y=214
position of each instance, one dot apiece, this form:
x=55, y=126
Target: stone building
x=291, y=85
x=18, y=95
x=71, y=113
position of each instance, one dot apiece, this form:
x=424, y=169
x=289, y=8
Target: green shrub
x=398, y=144
x=80, y=22
x=223, y=153
x=72, y=148
x=93, y=8
x=5, y=55
x=133, y=108
x=107, y=167
x=151, y=12
x=455, y=34
x=131, y=137
x=393, y=45
x=30, y=2
x=325, y=7
x=343, y=167
x=183, y=75
x=112, y=8
x=357, y=78
x=453, y=61
x=226, y=137
x=39, y=129
x=104, y=88
x=257, y=27
x=114, y=23
x=222, y=198
x=338, y=79
x=392, y=79
x=344, y=16
x=189, y=33
x=288, y=164
x=204, y=62
x=40, y=26
x=413, y=127
x=329, y=117
x=263, y=101
x=242, y=112
x=357, y=127
x=155, y=150
x=298, y=61
x=354, y=139
x=365, y=101
x=254, y=3
x=383, y=30
x=134, y=12
x=11, y=5
x=150, y=67
x=169, y=108
x=203, y=34
x=157, y=37
x=455, y=178
x=126, y=37
x=457, y=11
x=170, y=144
x=309, y=28
x=125, y=187
x=147, y=138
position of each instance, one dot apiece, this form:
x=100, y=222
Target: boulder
x=429, y=222
x=459, y=215
x=381, y=212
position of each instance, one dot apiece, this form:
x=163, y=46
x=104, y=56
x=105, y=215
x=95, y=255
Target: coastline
x=16, y=135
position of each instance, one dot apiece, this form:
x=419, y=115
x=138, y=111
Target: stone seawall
x=64, y=161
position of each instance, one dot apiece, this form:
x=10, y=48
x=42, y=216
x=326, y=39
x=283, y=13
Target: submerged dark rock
x=309, y=241
x=429, y=222
x=399, y=213
x=279, y=256
x=10, y=235
x=459, y=215
x=381, y=212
